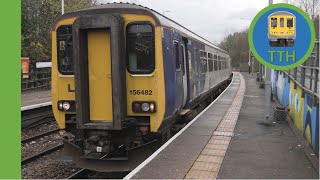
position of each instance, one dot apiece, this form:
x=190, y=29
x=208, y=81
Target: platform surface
x=258, y=151
x=35, y=97
x=229, y=140
x=178, y=157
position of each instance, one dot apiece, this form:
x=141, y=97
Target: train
x=281, y=29
x=122, y=74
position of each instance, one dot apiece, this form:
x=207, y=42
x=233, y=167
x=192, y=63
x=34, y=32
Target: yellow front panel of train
x=100, y=85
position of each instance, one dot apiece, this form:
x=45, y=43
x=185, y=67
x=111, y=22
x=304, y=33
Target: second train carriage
x=121, y=75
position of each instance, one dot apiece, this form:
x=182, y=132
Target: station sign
x=281, y=36
x=25, y=67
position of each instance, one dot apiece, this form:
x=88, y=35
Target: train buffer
x=229, y=139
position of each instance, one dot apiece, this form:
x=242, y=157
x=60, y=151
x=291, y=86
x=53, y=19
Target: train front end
x=108, y=86
x=281, y=29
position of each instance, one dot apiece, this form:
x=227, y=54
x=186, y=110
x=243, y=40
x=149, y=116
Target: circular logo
x=281, y=36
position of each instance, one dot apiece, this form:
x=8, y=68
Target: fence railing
x=39, y=78
x=307, y=75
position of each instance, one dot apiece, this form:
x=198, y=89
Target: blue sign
x=281, y=36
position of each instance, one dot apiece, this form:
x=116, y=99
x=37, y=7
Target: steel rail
x=40, y=154
x=40, y=135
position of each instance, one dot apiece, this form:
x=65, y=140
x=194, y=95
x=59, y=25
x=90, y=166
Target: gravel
x=39, y=129
x=38, y=145
x=51, y=166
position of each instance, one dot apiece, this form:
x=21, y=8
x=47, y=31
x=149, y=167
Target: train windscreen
x=273, y=22
x=64, y=49
x=290, y=22
x=140, y=48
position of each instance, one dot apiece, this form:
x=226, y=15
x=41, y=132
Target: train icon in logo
x=281, y=29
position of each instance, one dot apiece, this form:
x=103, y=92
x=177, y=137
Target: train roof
x=277, y=13
x=126, y=8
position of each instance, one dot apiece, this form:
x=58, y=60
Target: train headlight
x=152, y=107
x=145, y=107
x=66, y=106
x=60, y=105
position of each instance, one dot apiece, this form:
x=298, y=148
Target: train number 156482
x=141, y=92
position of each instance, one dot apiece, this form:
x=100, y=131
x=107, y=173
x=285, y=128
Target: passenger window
x=210, y=65
x=182, y=59
x=176, y=55
x=204, y=66
x=281, y=22
x=290, y=22
x=219, y=64
x=215, y=57
x=215, y=65
x=140, y=48
x=274, y=22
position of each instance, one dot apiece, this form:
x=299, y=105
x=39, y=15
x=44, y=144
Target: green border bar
x=10, y=91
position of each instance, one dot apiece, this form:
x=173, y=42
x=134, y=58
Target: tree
x=237, y=46
x=311, y=7
x=37, y=18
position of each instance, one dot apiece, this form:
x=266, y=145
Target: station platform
x=229, y=139
x=29, y=98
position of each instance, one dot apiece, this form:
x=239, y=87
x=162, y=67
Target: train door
x=99, y=65
x=184, y=69
x=99, y=73
x=281, y=26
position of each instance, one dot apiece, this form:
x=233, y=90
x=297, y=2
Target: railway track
x=38, y=136
x=35, y=115
x=41, y=153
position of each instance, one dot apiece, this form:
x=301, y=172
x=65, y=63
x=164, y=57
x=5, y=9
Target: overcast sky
x=211, y=19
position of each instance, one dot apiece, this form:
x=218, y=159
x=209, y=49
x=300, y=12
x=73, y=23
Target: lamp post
x=62, y=6
x=267, y=86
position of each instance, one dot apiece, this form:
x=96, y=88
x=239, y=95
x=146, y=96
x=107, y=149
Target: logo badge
x=281, y=36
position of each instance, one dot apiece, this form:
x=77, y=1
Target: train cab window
x=281, y=22
x=140, y=48
x=176, y=55
x=64, y=50
x=274, y=22
x=290, y=22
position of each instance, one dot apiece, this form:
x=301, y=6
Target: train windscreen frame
x=140, y=45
